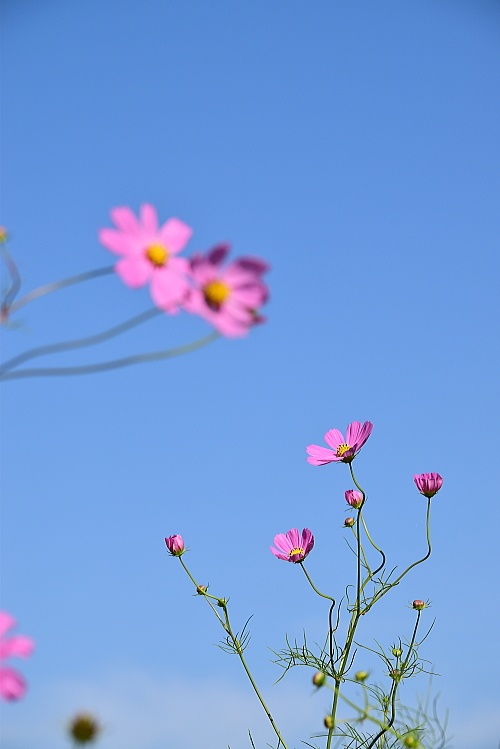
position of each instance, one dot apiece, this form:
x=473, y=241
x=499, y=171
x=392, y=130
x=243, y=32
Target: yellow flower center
x=215, y=293
x=157, y=254
x=298, y=550
x=341, y=449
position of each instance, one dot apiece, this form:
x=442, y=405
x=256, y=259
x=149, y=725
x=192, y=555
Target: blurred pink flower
x=227, y=297
x=428, y=484
x=12, y=684
x=175, y=545
x=149, y=252
x=354, y=498
x=344, y=450
x=293, y=547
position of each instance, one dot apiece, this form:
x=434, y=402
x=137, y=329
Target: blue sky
x=355, y=146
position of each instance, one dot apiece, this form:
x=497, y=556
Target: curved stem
x=115, y=363
x=313, y=585
x=15, y=282
x=56, y=285
x=92, y=340
x=375, y=547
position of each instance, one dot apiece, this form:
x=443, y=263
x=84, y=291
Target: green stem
x=226, y=624
x=313, y=586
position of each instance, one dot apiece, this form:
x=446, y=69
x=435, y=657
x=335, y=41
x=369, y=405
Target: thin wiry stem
x=92, y=340
x=15, y=282
x=56, y=285
x=115, y=363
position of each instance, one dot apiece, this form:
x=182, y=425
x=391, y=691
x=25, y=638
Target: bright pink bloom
x=354, y=498
x=175, y=545
x=12, y=684
x=227, y=297
x=343, y=450
x=293, y=547
x=428, y=484
x=149, y=252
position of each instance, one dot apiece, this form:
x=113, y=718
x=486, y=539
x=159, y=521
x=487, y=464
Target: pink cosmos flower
x=175, y=545
x=227, y=297
x=428, y=484
x=12, y=684
x=149, y=254
x=344, y=450
x=354, y=498
x=293, y=547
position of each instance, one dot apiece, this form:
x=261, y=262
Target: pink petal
x=149, y=218
x=294, y=538
x=251, y=297
x=282, y=542
x=307, y=540
x=168, y=289
x=365, y=432
x=115, y=241
x=320, y=456
x=175, y=234
x=6, y=622
x=334, y=438
x=12, y=684
x=134, y=271
x=218, y=254
x=279, y=555
x=125, y=219
x=18, y=646
x=254, y=265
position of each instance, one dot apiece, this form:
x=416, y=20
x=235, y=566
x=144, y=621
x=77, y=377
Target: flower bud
x=419, y=605
x=410, y=741
x=3, y=234
x=175, y=545
x=361, y=675
x=84, y=728
x=201, y=589
x=397, y=652
x=349, y=522
x=354, y=498
x=428, y=484
x=319, y=679
x=328, y=721
x=396, y=674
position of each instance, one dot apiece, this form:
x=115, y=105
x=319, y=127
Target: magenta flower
x=12, y=684
x=293, y=547
x=344, y=450
x=227, y=297
x=149, y=254
x=354, y=498
x=175, y=545
x=428, y=484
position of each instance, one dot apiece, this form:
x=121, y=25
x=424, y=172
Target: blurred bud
x=428, y=484
x=175, y=545
x=201, y=589
x=397, y=652
x=349, y=522
x=328, y=721
x=84, y=728
x=410, y=740
x=354, y=498
x=361, y=675
x=319, y=679
x=419, y=605
x=3, y=234
x=396, y=674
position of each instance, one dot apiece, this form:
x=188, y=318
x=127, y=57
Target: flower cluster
x=229, y=297
x=12, y=684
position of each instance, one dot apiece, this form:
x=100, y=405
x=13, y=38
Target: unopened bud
x=396, y=674
x=84, y=728
x=419, y=605
x=201, y=589
x=3, y=234
x=319, y=679
x=354, y=498
x=361, y=675
x=329, y=722
x=175, y=545
x=397, y=652
x=349, y=522
x=410, y=740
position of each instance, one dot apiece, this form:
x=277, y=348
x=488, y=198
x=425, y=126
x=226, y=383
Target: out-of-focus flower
x=418, y=605
x=343, y=450
x=3, y=234
x=149, y=253
x=319, y=679
x=84, y=728
x=354, y=498
x=396, y=674
x=12, y=684
x=410, y=741
x=175, y=545
x=227, y=297
x=349, y=522
x=361, y=675
x=397, y=652
x=294, y=546
x=428, y=484
x=328, y=721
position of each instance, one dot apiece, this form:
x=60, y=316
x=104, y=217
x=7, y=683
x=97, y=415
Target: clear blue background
x=355, y=145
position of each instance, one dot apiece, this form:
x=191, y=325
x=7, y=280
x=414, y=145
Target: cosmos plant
x=376, y=717
x=228, y=296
